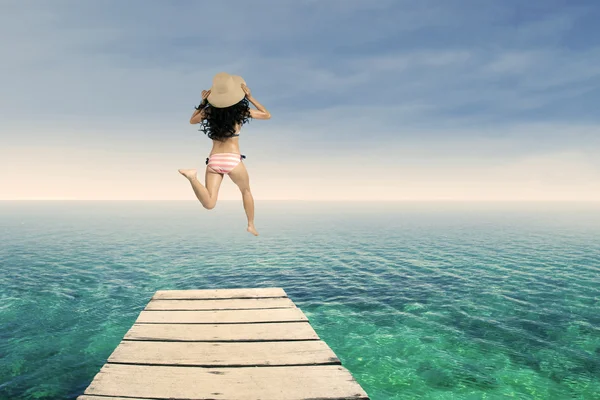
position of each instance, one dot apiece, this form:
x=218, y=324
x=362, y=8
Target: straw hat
x=226, y=90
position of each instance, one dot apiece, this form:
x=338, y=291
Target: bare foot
x=188, y=173
x=252, y=230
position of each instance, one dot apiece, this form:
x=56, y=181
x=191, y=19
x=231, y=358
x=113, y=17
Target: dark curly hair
x=219, y=123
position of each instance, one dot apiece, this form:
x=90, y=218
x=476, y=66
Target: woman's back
x=227, y=145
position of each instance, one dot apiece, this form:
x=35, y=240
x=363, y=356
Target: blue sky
x=382, y=100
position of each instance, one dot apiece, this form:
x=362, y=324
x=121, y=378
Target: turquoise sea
x=419, y=301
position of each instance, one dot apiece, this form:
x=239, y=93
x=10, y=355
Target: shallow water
x=431, y=301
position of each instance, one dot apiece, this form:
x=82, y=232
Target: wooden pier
x=229, y=344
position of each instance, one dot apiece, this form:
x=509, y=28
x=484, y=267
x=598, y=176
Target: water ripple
x=416, y=302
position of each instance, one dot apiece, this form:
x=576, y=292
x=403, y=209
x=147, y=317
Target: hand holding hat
x=204, y=101
x=246, y=90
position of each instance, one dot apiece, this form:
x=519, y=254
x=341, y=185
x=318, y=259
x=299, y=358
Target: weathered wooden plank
x=92, y=397
x=222, y=316
x=243, y=383
x=313, y=352
x=86, y=397
x=248, y=293
x=222, y=332
x=224, y=304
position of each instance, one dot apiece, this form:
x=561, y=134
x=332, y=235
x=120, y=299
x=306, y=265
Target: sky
x=435, y=100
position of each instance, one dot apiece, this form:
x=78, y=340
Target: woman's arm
x=262, y=112
x=199, y=114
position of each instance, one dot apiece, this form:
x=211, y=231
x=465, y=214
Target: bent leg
x=206, y=195
x=239, y=176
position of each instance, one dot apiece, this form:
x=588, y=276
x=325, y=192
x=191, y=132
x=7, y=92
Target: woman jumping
x=222, y=112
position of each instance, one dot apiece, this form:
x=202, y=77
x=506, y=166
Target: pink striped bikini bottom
x=223, y=163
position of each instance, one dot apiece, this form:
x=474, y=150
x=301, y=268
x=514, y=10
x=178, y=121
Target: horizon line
x=314, y=201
